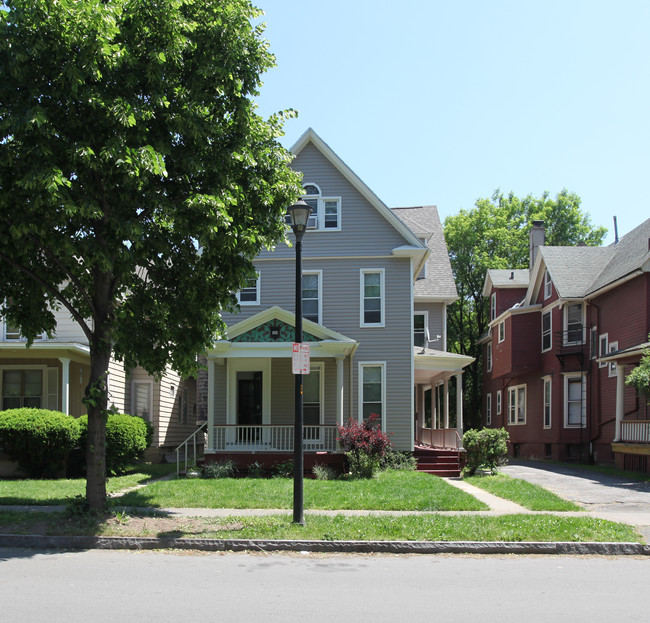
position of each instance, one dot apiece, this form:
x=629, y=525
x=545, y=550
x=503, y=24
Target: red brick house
x=561, y=339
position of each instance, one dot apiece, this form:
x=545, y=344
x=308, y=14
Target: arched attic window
x=326, y=211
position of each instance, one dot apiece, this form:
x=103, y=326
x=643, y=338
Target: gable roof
x=309, y=136
x=438, y=283
x=505, y=278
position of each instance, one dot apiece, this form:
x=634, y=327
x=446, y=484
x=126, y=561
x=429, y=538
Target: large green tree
x=495, y=234
x=137, y=181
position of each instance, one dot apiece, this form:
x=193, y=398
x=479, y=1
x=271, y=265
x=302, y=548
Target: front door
x=249, y=405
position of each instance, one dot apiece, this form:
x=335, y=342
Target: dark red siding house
x=562, y=337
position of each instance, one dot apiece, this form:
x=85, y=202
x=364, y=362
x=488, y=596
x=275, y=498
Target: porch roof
x=430, y=364
x=41, y=349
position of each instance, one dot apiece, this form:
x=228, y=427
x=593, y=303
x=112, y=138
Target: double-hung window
x=313, y=401
x=488, y=410
x=613, y=346
x=311, y=299
x=325, y=211
x=603, y=348
x=420, y=329
x=548, y=285
x=22, y=388
x=502, y=331
x=493, y=306
x=517, y=405
x=142, y=399
x=547, y=336
x=372, y=298
x=250, y=293
x=547, y=402
x=499, y=402
x=372, y=390
x=575, y=408
x=573, y=324
x=488, y=355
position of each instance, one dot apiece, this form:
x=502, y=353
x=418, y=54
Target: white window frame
x=425, y=329
x=499, y=401
x=258, y=290
x=317, y=221
x=613, y=346
x=502, y=331
x=567, y=342
x=320, y=368
x=603, y=348
x=548, y=333
x=372, y=364
x=18, y=337
x=319, y=275
x=488, y=354
x=515, y=407
x=134, y=383
x=488, y=410
x=583, y=385
x=382, y=297
x=548, y=285
x=593, y=342
x=493, y=306
x=547, y=402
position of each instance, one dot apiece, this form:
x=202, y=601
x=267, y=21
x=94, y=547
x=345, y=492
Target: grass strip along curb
x=352, y=547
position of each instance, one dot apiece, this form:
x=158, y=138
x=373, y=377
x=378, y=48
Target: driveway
x=609, y=497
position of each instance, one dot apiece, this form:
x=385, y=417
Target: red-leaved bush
x=364, y=444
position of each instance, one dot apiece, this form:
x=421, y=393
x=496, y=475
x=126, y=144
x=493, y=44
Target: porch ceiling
x=432, y=364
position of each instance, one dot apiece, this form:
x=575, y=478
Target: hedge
x=38, y=440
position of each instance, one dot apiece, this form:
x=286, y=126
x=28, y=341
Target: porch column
x=434, y=406
x=65, y=385
x=620, y=400
x=459, y=405
x=339, y=391
x=210, y=411
x=446, y=403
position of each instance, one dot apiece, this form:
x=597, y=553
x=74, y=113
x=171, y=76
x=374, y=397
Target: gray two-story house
x=376, y=284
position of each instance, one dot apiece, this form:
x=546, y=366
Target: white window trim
x=319, y=274
x=371, y=364
x=547, y=380
x=320, y=366
x=426, y=326
x=515, y=390
x=488, y=354
x=382, y=286
x=612, y=364
x=603, y=338
x=499, y=402
x=501, y=330
x=548, y=285
x=319, y=218
x=258, y=290
x=583, y=418
x=565, y=331
x=148, y=382
x=247, y=364
x=550, y=330
x=593, y=341
x=493, y=305
x=488, y=410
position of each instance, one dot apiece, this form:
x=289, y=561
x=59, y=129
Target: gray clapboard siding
x=435, y=315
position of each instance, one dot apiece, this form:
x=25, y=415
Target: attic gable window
x=548, y=285
x=325, y=211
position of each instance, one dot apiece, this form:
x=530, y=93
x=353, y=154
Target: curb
x=331, y=547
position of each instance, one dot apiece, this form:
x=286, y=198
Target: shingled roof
x=424, y=222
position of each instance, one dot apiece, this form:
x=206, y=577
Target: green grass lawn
x=45, y=492
x=511, y=528
x=389, y=490
x=526, y=494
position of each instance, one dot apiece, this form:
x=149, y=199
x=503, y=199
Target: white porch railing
x=269, y=438
x=635, y=431
x=441, y=437
x=185, y=446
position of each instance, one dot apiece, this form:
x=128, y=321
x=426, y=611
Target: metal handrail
x=192, y=438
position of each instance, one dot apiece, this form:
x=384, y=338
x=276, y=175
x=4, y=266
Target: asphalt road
x=102, y=586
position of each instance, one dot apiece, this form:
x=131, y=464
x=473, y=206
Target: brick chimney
x=537, y=238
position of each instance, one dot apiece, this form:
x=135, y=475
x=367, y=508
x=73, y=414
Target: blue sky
x=441, y=103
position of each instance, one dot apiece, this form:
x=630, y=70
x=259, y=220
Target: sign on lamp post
x=300, y=359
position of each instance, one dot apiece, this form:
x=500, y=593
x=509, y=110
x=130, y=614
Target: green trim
x=274, y=331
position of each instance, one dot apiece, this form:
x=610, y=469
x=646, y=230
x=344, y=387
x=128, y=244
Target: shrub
x=38, y=440
x=283, y=469
x=324, y=472
x=220, y=469
x=256, y=470
x=399, y=460
x=127, y=437
x=364, y=445
x=487, y=448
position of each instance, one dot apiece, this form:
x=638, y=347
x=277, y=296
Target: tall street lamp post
x=299, y=214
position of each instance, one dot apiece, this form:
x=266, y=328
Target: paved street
x=113, y=586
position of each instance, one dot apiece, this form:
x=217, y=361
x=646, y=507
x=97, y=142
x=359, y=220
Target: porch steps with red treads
x=438, y=461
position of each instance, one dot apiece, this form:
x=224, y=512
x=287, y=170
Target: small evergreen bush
x=38, y=440
x=487, y=448
x=127, y=437
x=365, y=445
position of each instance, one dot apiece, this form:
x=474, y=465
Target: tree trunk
x=96, y=404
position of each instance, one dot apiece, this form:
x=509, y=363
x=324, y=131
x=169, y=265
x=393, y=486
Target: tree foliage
x=495, y=234
x=137, y=181
x=639, y=377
